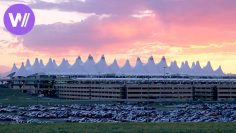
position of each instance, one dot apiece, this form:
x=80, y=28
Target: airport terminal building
x=143, y=82
x=130, y=88
x=151, y=89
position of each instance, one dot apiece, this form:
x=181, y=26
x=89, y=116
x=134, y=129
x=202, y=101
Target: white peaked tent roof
x=151, y=66
x=162, y=66
x=193, y=65
x=197, y=69
x=13, y=69
x=90, y=66
x=162, y=63
x=77, y=67
x=127, y=69
x=208, y=69
x=54, y=63
x=174, y=69
x=185, y=68
x=22, y=72
x=139, y=68
x=28, y=65
x=102, y=66
x=78, y=61
x=41, y=63
x=50, y=67
x=219, y=71
x=114, y=67
x=36, y=68
x=63, y=68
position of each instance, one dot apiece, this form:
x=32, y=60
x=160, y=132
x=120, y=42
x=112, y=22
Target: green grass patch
x=15, y=97
x=121, y=127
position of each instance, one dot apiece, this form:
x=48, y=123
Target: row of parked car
x=92, y=113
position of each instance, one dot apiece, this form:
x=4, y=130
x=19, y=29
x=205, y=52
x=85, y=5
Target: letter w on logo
x=18, y=19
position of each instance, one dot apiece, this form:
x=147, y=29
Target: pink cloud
x=177, y=23
x=4, y=69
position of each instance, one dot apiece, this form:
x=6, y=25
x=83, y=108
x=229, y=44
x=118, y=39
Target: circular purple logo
x=19, y=19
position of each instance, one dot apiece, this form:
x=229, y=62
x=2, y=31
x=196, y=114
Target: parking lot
x=117, y=112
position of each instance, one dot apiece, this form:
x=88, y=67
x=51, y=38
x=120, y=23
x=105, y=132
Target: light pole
x=164, y=68
x=37, y=90
x=148, y=89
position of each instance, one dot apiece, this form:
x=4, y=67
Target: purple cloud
x=115, y=7
x=92, y=33
x=177, y=22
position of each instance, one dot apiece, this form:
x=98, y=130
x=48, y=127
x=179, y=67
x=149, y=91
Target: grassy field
x=17, y=98
x=122, y=127
x=14, y=97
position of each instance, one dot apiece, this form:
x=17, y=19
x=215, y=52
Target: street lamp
x=164, y=68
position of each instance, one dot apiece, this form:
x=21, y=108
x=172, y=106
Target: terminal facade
x=129, y=88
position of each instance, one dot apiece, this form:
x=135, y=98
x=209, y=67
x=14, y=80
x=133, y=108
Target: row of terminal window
x=69, y=87
x=88, y=96
x=100, y=92
x=160, y=97
x=159, y=92
x=147, y=82
x=72, y=87
x=159, y=88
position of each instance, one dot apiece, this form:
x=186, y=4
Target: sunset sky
x=193, y=30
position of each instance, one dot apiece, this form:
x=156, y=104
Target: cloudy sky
x=125, y=29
